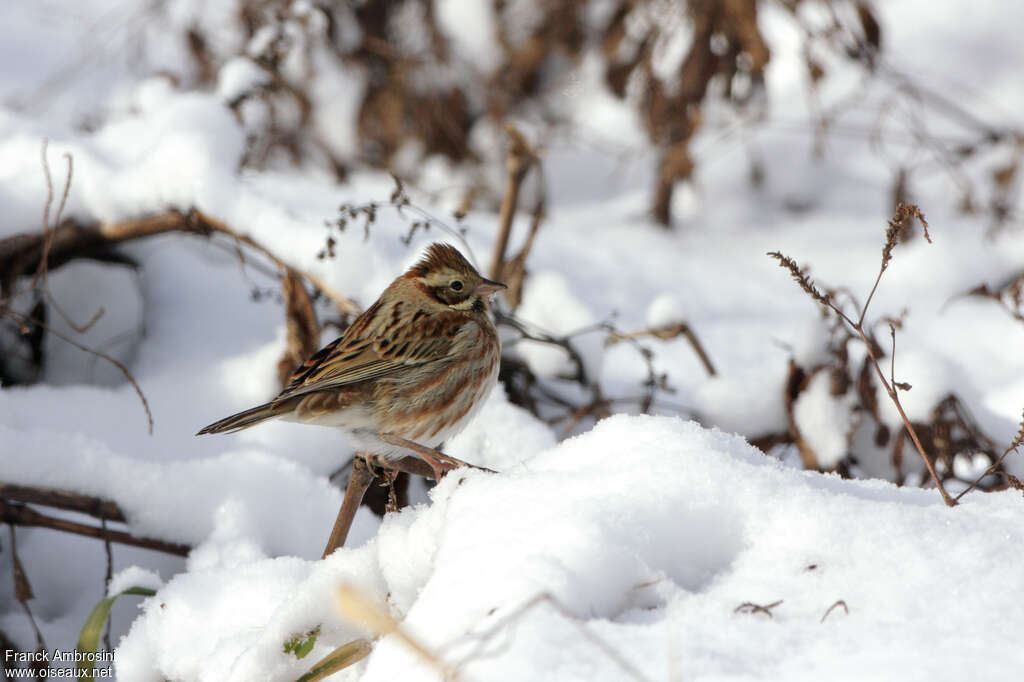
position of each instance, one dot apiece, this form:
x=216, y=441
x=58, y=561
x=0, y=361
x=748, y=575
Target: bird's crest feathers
x=438, y=257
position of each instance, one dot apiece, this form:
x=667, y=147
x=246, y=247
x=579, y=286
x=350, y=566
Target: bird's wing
x=364, y=353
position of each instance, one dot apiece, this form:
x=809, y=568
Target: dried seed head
x=900, y=219
x=800, y=275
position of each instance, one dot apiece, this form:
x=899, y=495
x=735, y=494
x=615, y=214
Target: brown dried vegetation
x=951, y=432
x=419, y=91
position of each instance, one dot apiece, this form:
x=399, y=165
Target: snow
x=608, y=551
x=238, y=77
x=471, y=27
x=133, y=576
x=702, y=523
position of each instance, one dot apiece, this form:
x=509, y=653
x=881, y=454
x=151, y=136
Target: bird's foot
x=439, y=462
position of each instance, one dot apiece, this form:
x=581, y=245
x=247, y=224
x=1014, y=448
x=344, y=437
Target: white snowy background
x=635, y=539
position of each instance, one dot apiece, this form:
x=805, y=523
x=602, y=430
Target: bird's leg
x=439, y=462
x=358, y=482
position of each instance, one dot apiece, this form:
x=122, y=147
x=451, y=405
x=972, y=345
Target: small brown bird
x=416, y=365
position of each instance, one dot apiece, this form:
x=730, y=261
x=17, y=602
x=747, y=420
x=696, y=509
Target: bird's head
x=448, y=279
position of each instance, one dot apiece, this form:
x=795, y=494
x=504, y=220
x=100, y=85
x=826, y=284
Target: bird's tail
x=250, y=417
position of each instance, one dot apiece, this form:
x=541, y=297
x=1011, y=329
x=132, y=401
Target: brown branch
x=63, y=499
x=21, y=254
x=359, y=480
x=21, y=515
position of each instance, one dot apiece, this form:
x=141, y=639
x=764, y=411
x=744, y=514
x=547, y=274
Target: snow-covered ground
x=622, y=552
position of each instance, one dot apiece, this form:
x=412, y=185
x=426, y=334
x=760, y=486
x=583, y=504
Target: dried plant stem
x=358, y=608
x=950, y=502
x=520, y=158
x=902, y=216
x=1018, y=440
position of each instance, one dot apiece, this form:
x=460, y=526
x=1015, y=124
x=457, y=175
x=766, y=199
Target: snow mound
x=621, y=553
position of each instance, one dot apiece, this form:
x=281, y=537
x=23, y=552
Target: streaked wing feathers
x=370, y=351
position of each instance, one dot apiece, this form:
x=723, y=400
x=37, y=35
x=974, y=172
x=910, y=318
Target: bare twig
x=531, y=334
x=124, y=370
x=48, y=232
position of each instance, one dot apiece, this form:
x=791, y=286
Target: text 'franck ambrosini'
x=58, y=656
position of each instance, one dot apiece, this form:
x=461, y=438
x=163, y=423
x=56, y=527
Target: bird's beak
x=487, y=288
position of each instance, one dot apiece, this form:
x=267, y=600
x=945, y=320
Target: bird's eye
x=456, y=285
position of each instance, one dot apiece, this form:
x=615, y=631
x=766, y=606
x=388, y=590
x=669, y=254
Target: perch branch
x=359, y=480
